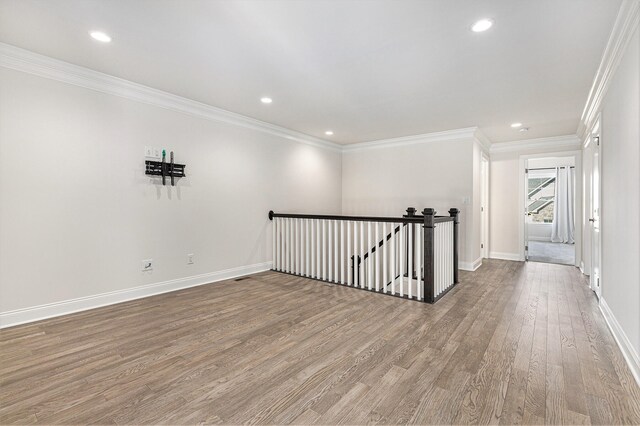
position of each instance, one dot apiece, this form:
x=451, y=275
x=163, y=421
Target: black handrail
x=416, y=219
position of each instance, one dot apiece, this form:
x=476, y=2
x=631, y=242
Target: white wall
x=620, y=214
x=439, y=174
x=77, y=213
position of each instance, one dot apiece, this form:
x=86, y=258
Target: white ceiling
x=366, y=69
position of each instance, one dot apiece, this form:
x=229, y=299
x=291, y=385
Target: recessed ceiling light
x=516, y=125
x=524, y=129
x=266, y=100
x=328, y=133
x=482, y=25
x=100, y=36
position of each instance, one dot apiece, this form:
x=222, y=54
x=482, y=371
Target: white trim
x=569, y=142
x=470, y=266
x=447, y=135
x=627, y=349
x=506, y=256
x=623, y=29
x=43, y=66
x=582, y=268
x=483, y=140
x=37, y=313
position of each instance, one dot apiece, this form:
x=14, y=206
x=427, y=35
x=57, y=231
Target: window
x=540, y=195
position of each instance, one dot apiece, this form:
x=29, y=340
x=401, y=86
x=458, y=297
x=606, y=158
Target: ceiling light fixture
x=328, y=133
x=266, y=100
x=516, y=125
x=482, y=25
x=524, y=129
x=100, y=36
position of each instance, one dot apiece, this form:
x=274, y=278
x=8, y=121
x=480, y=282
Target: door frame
x=484, y=205
x=577, y=155
x=595, y=279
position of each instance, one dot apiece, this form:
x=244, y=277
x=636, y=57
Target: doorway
x=550, y=201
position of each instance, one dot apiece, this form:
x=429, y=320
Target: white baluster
x=307, y=248
x=348, y=258
x=276, y=246
x=385, y=259
x=274, y=255
x=436, y=261
x=329, y=254
x=301, y=247
x=377, y=257
x=370, y=258
x=287, y=244
x=361, y=266
x=324, y=250
x=402, y=254
x=312, y=255
x=418, y=262
x=336, y=252
x=296, y=252
x=301, y=240
x=393, y=259
x=450, y=249
x=283, y=243
x=438, y=233
x=356, y=255
x=293, y=246
x=342, y=256
x=319, y=252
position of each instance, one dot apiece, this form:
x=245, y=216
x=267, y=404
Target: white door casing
x=595, y=210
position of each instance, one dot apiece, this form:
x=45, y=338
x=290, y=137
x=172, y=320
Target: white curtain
x=563, y=227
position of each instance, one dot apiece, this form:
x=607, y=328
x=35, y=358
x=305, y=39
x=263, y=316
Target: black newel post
x=411, y=212
x=454, y=214
x=429, y=228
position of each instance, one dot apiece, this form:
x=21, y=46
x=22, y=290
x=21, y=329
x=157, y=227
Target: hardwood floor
x=513, y=343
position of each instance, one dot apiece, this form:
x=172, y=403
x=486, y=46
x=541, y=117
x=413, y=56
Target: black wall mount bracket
x=164, y=169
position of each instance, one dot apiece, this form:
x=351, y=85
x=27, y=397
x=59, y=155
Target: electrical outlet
x=157, y=152
x=148, y=151
x=190, y=259
x=147, y=265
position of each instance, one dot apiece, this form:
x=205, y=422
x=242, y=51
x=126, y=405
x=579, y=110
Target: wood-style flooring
x=513, y=343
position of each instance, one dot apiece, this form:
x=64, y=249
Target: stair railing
x=413, y=256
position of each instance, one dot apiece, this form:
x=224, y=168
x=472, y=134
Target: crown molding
x=623, y=29
x=448, y=135
x=43, y=66
x=554, y=143
x=483, y=140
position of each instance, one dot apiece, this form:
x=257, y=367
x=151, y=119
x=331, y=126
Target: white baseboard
x=36, y=313
x=470, y=266
x=628, y=351
x=506, y=256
